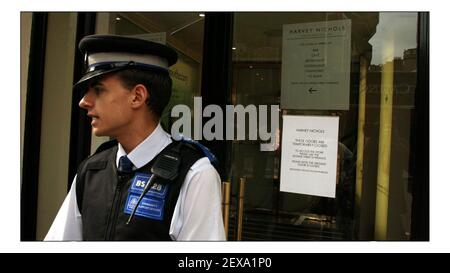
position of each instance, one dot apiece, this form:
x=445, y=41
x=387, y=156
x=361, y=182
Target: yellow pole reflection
x=384, y=148
x=361, y=123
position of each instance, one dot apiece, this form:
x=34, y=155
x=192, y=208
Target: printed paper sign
x=315, y=70
x=309, y=155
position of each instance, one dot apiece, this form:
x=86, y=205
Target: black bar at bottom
x=228, y=262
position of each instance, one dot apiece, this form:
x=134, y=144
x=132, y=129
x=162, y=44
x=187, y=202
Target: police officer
x=142, y=185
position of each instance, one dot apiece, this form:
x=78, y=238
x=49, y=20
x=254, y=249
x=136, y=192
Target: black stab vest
x=102, y=195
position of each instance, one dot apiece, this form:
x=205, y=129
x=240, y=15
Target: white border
x=10, y=160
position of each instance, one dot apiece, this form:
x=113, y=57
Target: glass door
x=372, y=199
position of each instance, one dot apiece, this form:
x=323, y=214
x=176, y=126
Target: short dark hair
x=158, y=84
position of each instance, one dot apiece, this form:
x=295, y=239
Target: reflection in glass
x=383, y=69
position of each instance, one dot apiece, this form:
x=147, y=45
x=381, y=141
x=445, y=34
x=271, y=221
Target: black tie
x=125, y=165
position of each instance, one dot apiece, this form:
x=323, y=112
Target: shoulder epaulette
x=203, y=149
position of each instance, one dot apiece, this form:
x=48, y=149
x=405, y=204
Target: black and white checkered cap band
x=96, y=59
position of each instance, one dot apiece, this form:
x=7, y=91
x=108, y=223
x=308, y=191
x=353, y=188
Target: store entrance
x=372, y=197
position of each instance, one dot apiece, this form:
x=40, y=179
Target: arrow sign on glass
x=315, y=65
x=311, y=90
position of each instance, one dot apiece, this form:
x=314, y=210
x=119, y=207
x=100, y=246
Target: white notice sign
x=315, y=71
x=309, y=155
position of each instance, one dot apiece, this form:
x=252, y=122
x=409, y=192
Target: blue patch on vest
x=152, y=205
x=148, y=207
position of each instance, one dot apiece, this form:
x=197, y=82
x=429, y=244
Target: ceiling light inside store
x=201, y=14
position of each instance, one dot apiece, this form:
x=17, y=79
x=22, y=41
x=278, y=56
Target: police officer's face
x=108, y=104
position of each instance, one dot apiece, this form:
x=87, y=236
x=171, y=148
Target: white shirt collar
x=147, y=149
